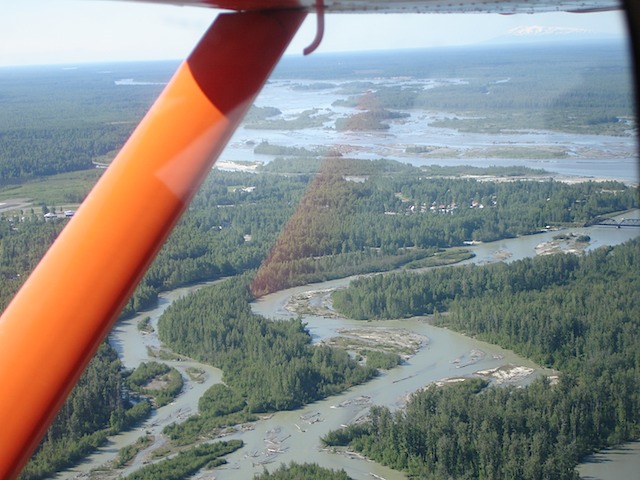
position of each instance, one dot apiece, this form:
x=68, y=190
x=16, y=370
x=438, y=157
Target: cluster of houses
x=442, y=208
x=51, y=215
x=243, y=189
x=439, y=208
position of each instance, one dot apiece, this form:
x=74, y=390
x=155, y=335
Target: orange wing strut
x=56, y=322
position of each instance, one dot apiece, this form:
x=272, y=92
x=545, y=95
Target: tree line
x=383, y=209
x=271, y=364
x=237, y=218
x=97, y=407
x=302, y=228
x=56, y=120
x=308, y=471
x=584, y=325
x=187, y=463
x=408, y=294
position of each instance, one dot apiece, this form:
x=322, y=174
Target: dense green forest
x=583, y=322
x=186, y=463
x=575, y=88
x=97, y=407
x=354, y=211
x=299, y=228
x=325, y=226
x=271, y=364
x=409, y=294
x=60, y=120
x=303, y=219
x=306, y=471
x=20, y=251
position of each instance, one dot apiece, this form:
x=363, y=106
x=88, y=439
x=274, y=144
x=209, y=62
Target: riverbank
x=135, y=346
x=303, y=427
x=439, y=355
x=631, y=180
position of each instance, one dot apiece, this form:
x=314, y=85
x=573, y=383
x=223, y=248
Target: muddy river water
x=294, y=436
x=581, y=155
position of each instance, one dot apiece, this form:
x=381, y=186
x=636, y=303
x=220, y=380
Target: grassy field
x=65, y=190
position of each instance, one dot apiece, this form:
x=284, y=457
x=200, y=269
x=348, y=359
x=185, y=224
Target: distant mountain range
x=537, y=33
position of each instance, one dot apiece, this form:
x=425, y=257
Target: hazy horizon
x=66, y=32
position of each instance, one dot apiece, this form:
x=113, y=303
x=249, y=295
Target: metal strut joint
x=319, y=28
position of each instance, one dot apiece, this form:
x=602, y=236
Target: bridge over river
x=625, y=222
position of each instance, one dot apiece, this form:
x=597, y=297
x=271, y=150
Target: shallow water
x=447, y=355
x=591, y=156
x=294, y=436
x=132, y=347
x=619, y=463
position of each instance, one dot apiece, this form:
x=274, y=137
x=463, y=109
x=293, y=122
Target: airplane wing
x=65, y=309
x=408, y=6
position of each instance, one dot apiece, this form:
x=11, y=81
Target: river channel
x=582, y=155
x=294, y=436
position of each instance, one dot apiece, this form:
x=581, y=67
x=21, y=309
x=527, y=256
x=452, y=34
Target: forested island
x=312, y=214
x=332, y=226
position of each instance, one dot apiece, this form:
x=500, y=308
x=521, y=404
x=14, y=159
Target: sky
x=79, y=31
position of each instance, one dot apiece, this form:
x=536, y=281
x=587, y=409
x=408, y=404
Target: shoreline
x=568, y=178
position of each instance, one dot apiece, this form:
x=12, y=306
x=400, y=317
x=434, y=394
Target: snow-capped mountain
x=540, y=31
